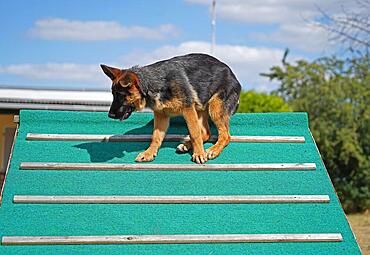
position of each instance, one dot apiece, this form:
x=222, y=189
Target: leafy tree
x=336, y=95
x=251, y=101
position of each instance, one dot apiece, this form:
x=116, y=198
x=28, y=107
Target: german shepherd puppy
x=196, y=86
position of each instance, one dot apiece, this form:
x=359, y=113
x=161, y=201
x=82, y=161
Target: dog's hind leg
x=221, y=118
x=191, y=117
x=205, y=131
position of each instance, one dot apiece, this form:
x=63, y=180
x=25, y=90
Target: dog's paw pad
x=145, y=157
x=199, y=158
x=182, y=148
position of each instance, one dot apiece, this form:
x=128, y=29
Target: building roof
x=48, y=99
x=27, y=219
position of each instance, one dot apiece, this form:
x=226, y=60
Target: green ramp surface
x=168, y=219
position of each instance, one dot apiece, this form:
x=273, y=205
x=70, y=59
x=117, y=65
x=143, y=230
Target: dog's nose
x=111, y=115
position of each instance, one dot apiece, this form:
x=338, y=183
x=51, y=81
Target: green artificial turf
x=150, y=219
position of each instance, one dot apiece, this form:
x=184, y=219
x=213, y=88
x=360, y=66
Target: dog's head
x=127, y=96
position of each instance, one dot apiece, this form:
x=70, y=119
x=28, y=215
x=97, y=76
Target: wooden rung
x=171, y=239
x=166, y=167
x=169, y=137
x=16, y=119
x=250, y=199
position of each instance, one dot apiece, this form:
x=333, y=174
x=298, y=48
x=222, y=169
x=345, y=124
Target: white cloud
x=246, y=62
x=295, y=20
x=262, y=11
x=63, y=29
x=56, y=72
x=307, y=37
x=274, y=11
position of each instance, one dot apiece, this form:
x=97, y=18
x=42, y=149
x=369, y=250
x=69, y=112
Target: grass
x=360, y=224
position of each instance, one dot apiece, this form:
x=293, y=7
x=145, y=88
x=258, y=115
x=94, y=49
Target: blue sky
x=60, y=44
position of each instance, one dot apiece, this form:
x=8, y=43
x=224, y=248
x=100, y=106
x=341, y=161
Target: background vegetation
x=335, y=92
x=251, y=101
x=336, y=95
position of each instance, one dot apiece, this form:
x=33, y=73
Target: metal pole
x=213, y=26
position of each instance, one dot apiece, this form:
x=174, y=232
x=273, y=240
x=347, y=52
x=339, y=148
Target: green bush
x=336, y=95
x=251, y=101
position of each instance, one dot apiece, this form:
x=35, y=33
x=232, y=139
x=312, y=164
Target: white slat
x=16, y=119
x=248, y=199
x=171, y=239
x=166, y=167
x=169, y=137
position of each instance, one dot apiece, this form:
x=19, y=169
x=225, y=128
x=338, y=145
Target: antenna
x=213, y=26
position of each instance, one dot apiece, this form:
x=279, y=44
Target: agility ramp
x=73, y=188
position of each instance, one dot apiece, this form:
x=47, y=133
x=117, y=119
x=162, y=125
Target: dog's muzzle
x=123, y=112
x=111, y=115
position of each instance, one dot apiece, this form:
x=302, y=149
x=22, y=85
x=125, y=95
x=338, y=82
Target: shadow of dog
x=105, y=151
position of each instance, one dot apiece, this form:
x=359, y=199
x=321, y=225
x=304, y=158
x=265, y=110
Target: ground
x=360, y=224
x=1, y=180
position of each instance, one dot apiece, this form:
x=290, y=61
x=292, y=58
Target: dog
x=196, y=86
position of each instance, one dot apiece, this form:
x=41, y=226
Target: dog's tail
x=236, y=107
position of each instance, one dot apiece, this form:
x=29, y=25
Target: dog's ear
x=111, y=72
x=129, y=79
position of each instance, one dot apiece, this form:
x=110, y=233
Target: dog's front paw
x=213, y=152
x=145, y=156
x=199, y=158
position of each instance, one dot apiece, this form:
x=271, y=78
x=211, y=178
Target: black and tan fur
x=196, y=86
